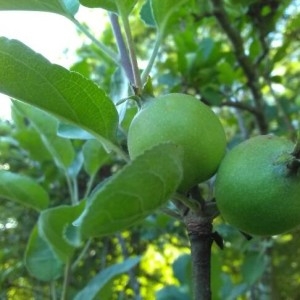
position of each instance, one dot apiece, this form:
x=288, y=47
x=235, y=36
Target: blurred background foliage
x=239, y=56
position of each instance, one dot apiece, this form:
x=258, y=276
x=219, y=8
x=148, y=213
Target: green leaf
x=133, y=193
x=110, y=5
x=163, y=10
x=30, y=140
x=172, y=292
x=76, y=166
x=255, y=48
x=129, y=115
x=276, y=78
x=23, y=190
x=217, y=281
x=92, y=289
x=61, y=149
x=69, y=131
x=208, y=53
x=55, y=227
x=94, y=156
x=127, y=5
x=253, y=267
x=27, y=76
x=182, y=269
x=40, y=260
x=147, y=15
x=63, y=7
x=212, y=95
x=226, y=74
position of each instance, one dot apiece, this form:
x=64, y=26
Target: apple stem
x=294, y=164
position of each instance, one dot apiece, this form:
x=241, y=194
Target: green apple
x=256, y=190
x=185, y=121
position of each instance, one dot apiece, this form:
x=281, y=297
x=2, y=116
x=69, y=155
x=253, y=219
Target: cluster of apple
x=256, y=188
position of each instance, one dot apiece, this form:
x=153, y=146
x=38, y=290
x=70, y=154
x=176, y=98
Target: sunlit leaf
x=55, y=227
x=92, y=289
x=40, y=260
x=63, y=7
x=27, y=76
x=23, y=190
x=135, y=192
x=110, y=5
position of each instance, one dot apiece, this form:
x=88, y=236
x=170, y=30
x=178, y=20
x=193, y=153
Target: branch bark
x=244, y=61
x=200, y=235
x=240, y=106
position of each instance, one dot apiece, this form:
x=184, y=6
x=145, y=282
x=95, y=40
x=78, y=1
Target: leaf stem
x=133, y=58
x=75, y=191
x=190, y=203
x=159, y=38
x=125, y=59
x=66, y=281
x=53, y=290
x=70, y=187
x=110, y=146
x=171, y=213
x=152, y=58
x=105, y=50
x=89, y=185
x=81, y=255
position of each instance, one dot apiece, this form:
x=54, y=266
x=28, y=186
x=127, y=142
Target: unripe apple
x=183, y=120
x=258, y=186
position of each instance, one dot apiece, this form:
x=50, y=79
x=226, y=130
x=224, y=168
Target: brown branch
x=265, y=50
x=241, y=106
x=243, y=60
x=200, y=236
x=198, y=222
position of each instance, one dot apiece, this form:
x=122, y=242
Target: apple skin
x=255, y=190
x=185, y=121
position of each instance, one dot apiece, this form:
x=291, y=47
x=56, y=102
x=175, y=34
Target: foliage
x=84, y=215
